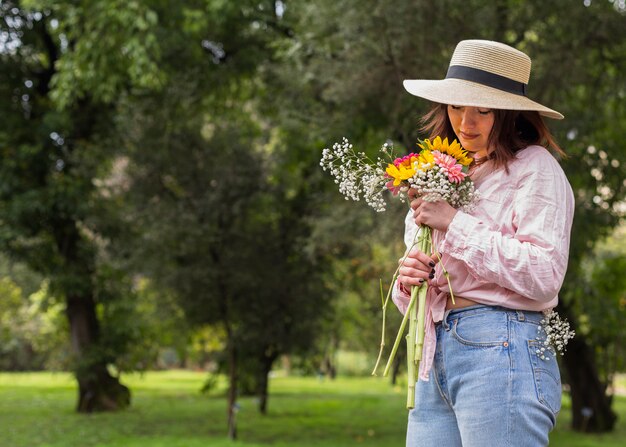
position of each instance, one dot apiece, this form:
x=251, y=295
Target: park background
x=177, y=270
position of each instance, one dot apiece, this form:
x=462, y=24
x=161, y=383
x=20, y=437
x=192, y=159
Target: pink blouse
x=510, y=251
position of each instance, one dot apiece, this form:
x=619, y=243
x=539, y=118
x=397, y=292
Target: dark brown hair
x=512, y=130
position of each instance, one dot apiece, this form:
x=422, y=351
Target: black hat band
x=486, y=78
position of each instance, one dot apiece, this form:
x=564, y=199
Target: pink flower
x=450, y=166
x=456, y=174
x=406, y=159
x=394, y=189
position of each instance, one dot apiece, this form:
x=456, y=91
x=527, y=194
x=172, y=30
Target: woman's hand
x=416, y=268
x=437, y=215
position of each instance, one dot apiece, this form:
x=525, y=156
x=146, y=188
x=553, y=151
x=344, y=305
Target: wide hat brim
x=460, y=92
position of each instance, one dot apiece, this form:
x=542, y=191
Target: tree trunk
x=232, y=389
x=266, y=367
x=591, y=407
x=97, y=389
x=329, y=367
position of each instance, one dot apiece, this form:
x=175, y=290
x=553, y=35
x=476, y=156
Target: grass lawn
x=36, y=410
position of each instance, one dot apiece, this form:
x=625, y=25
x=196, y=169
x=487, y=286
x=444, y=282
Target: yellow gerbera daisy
x=399, y=173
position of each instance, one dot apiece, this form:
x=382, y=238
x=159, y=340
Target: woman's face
x=472, y=125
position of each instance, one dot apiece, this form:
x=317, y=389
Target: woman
x=484, y=380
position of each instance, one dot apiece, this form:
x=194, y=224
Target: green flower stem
x=410, y=352
x=425, y=247
x=384, y=302
x=396, y=343
x=447, y=275
x=402, y=326
x=415, y=338
x=421, y=310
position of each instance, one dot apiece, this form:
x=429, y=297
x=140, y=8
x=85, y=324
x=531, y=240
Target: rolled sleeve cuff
x=457, y=240
x=401, y=297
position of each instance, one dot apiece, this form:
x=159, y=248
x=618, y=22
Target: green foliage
x=127, y=341
x=217, y=209
x=216, y=234
x=207, y=346
x=603, y=304
x=107, y=46
x=32, y=330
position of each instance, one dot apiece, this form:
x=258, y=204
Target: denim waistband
x=519, y=315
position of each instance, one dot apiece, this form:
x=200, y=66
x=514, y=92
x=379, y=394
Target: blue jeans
x=488, y=386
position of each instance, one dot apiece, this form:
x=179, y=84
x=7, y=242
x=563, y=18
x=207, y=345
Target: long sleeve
x=400, y=297
x=533, y=259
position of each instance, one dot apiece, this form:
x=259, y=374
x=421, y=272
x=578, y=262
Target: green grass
x=36, y=410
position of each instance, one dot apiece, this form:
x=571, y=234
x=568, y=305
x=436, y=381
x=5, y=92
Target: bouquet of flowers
x=438, y=172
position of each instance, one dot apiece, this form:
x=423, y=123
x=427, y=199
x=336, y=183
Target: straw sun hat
x=483, y=73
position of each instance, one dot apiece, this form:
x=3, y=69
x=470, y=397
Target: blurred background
x=173, y=260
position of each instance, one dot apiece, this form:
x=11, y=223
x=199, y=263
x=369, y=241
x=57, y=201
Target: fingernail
x=431, y=263
x=421, y=280
x=431, y=276
x=432, y=272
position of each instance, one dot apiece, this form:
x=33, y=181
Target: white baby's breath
x=356, y=174
x=557, y=334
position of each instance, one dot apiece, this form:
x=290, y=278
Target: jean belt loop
x=446, y=326
x=520, y=315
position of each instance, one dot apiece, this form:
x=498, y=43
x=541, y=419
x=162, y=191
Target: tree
x=61, y=76
x=220, y=201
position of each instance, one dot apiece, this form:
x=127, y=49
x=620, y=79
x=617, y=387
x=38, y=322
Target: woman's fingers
x=411, y=280
x=415, y=202
x=416, y=268
x=437, y=215
x=418, y=206
x=410, y=276
x=418, y=259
